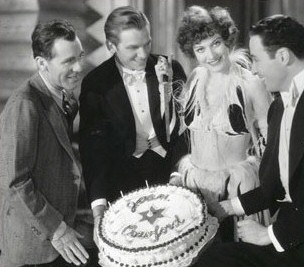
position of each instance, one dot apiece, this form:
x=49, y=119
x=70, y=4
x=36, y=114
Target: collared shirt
x=138, y=95
x=290, y=101
x=56, y=94
x=136, y=88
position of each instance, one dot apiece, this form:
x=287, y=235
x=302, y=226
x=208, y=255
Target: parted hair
x=280, y=31
x=122, y=18
x=198, y=23
x=45, y=34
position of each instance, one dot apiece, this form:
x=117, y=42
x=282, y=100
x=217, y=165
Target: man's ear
x=111, y=47
x=41, y=63
x=283, y=55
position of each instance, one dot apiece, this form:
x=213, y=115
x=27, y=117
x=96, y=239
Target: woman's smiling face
x=213, y=54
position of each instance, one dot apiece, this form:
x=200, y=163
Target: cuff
x=97, y=202
x=237, y=206
x=60, y=231
x=274, y=240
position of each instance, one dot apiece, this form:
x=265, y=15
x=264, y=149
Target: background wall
x=18, y=18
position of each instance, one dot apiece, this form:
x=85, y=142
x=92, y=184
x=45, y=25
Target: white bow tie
x=133, y=76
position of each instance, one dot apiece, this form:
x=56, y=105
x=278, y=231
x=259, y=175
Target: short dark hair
x=45, y=34
x=199, y=23
x=122, y=18
x=280, y=31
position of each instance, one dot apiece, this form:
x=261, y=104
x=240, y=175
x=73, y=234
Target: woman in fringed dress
x=224, y=106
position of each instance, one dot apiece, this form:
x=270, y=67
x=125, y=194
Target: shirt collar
x=55, y=92
x=295, y=90
x=123, y=69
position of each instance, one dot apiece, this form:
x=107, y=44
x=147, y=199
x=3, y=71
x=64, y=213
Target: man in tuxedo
x=39, y=174
x=123, y=140
x=277, y=48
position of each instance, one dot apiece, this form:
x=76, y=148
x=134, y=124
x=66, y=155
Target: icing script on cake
x=167, y=225
x=151, y=215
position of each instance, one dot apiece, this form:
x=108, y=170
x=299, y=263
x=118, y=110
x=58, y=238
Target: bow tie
x=131, y=77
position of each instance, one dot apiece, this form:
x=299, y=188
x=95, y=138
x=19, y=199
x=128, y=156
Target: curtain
x=293, y=8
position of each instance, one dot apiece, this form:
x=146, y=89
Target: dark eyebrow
x=196, y=46
x=68, y=59
x=217, y=39
x=72, y=58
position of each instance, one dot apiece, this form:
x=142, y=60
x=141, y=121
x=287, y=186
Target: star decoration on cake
x=151, y=215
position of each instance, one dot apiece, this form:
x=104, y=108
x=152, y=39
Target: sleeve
x=94, y=142
x=288, y=229
x=178, y=80
x=179, y=75
x=180, y=145
x=259, y=102
x=273, y=239
x=23, y=128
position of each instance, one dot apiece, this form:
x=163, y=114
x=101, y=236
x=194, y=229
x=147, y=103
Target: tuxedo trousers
x=133, y=173
x=247, y=255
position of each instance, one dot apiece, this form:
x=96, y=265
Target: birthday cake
x=157, y=226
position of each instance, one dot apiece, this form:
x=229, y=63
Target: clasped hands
x=164, y=68
x=248, y=231
x=70, y=248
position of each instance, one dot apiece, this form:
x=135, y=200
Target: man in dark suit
x=277, y=49
x=39, y=174
x=122, y=114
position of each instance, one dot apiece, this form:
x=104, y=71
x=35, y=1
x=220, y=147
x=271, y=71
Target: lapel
x=296, y=146
x=270, y=160
x=154, y=98
x=54, y=116
x=118, y=99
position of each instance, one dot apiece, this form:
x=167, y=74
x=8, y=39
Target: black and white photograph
x=151, y=133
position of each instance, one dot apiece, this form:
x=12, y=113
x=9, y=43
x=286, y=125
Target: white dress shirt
x=136, y=88
x=290, y=101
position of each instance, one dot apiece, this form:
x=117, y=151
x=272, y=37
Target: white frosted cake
x=157, y=226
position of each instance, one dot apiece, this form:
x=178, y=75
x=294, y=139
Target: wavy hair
x=199, y=23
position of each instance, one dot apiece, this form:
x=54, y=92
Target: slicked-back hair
x=280, y=31
x=123, y=18
x=45, y=34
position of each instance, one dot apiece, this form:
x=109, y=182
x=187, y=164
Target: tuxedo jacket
x=39, y=175
x=289, y=225
x=107, y=126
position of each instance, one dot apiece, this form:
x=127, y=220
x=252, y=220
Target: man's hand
x=162, y=68
x=98, y=213
x=176, y=179
x=97, y=220
x=253, y=232
x=70, y=248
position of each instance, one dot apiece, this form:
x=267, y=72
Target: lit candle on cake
x=109, y=204
x=122, y=195
x=147, y=184
x=150, y=213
